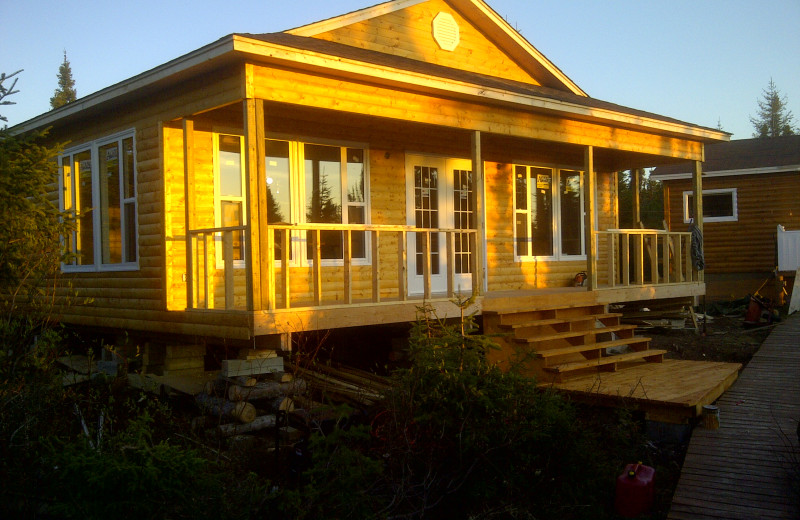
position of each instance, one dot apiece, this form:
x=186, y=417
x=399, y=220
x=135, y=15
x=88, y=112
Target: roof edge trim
x=213, y=50
x=528, y=47
x=337, y=22
x=789, y=168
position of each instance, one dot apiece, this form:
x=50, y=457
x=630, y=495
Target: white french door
x=439, y=196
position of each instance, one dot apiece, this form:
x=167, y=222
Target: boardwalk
x=750, y=467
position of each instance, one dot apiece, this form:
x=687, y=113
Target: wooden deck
x=750, y=466
x=674, y=391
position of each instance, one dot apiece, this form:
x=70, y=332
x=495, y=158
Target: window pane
x=67, y=199
x=542, y=211
x=715, y=205
x=128, y=180
x=83, y=207
x=521, y=179
x=718, y=205
x=278, y=191
x=230, y=166
x=130, y=232
x=355, y=215
x=232, y=217
x=522, y=235
x=355, y=175
x=571, y=213
x=110, y=223
x=323, y=174
x=323, y=184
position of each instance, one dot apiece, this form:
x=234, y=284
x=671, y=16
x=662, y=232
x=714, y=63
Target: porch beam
x=636, y=190
x=256, y=189
x=478, y=205
x=590, y=224
x=188, y=198
x=697, y=186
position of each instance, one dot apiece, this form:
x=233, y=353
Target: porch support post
x=589, y=217
x=636, y=190
x=697, y=187
x=188, y=204
x=478, y=205
x=257, y=274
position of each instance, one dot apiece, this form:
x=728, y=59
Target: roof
x=291, y=48
x=348, y=52
x=742, y=157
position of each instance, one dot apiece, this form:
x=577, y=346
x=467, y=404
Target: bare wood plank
x=347, y=265
x=590, y=220
x=376, y=269
x=188, y=193
x=402, y=266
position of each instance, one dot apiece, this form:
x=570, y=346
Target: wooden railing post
x=376, y=268
x=590, y=223
x=402, y=266
x=188, y=205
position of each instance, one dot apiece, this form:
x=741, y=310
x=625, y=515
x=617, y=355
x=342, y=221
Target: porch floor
x=674, y=391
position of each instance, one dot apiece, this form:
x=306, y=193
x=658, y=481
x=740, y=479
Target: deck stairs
x=569, y=341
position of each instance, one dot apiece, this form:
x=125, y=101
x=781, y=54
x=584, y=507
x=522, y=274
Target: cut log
x=281, y=404
x=266, y=390
x=219, y=407
x=259, y=423
x=219, y=387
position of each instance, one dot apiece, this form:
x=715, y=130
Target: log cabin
x=750, y=212
x=343, y=173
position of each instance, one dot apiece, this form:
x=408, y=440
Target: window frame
x=555, y=221
x=298, y=192
x=126, y=236
x=734, y=217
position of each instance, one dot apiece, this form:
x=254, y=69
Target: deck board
x=672, y=391
x=750, y=466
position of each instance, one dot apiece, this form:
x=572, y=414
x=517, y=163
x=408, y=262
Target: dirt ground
x=723, y=338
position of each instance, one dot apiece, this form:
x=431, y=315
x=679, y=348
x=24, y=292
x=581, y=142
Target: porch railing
x=635, y=257
x=327, y=264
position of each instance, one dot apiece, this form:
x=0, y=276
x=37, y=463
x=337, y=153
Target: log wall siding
x=507, y=273
x=374, y=100
x=748, y=245
x=408, y=33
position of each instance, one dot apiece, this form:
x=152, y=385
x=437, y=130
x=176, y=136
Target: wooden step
x=558, y=321
x=609, y=362
x=575, y=334
x=509, y=317
x=578, y=349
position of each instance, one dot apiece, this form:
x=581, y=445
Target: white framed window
x=229, y=194
x=97, y=183
x=718, y=206
x=548, y=213
x=307, y=182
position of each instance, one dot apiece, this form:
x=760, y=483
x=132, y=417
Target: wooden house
x=342, y=173
x=751, y=212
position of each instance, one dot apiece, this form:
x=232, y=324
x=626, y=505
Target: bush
x=459, y=438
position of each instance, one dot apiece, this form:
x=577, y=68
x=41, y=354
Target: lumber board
x=243, y=367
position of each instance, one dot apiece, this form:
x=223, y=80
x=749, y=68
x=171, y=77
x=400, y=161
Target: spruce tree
x=773, y=120
x=65, y=93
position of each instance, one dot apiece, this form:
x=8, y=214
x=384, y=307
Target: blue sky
x=701, y=61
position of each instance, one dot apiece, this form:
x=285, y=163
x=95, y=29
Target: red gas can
x=635, y=490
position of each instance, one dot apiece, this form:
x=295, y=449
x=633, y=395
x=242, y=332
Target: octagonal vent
x=446, y=32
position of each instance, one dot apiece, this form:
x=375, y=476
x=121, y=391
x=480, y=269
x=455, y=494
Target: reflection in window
x=279, y=209
x=105, y=170
x=548, y=223
x=230, y=190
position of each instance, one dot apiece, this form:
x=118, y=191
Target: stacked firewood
x=246, y=404
x=249, y=403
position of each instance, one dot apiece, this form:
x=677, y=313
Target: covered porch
x=388, y=246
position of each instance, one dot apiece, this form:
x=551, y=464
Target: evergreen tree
x=65, y=93
x=773, y=120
